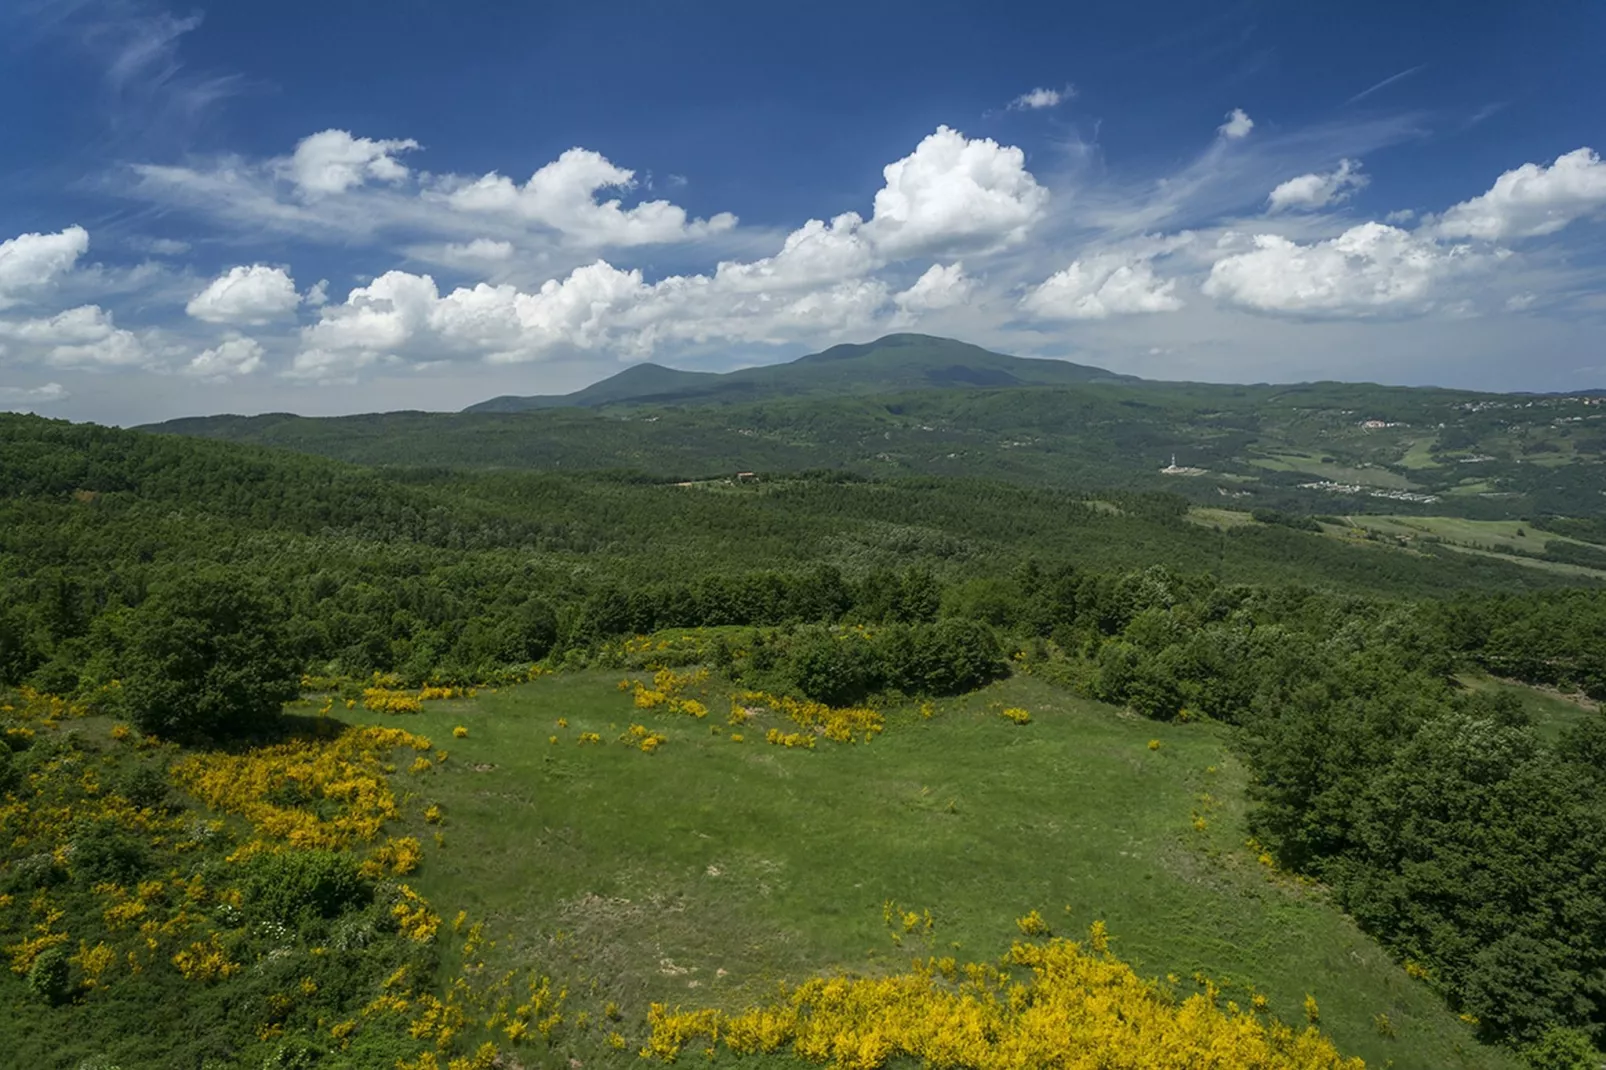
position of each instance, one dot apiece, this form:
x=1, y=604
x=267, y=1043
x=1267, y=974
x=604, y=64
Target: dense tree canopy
x=205, y=657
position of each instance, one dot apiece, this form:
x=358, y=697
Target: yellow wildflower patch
x=1032, y=924
x=838, y=724
x=206, y=961
x=385, y=700
x=25, y=952
x=1080, y=1009
x=790, y=739
x=263, y=786
x=93, y=961
x=640, y=737
x=412, y=914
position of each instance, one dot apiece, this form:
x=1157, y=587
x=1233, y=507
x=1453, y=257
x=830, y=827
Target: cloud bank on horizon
x=359, y=267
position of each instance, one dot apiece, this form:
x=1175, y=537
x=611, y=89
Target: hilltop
x=895, y=363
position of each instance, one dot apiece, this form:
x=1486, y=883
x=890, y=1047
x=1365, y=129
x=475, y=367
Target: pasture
x=705, y=872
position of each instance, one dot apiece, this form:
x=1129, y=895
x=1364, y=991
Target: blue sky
x=342, y=207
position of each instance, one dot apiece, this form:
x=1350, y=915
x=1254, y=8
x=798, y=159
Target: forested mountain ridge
x=1326, y=448
x=894, y=363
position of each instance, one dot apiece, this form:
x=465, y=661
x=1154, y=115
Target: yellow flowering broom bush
x=838, y=724
x=267, y=786
x=1054, y=1003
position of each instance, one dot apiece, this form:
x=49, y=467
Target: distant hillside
x=910, y=405
x=898, y=362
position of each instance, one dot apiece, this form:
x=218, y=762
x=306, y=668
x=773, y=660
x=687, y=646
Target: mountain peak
x=895, y=362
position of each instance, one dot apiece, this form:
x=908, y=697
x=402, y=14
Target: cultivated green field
x=705, y=872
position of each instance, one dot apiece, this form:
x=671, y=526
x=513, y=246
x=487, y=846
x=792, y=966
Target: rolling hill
x=896, y=363
x=912, y=405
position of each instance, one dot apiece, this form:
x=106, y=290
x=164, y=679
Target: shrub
x=957, y=656
x=295, y=886
x=31, y=873
x=295, y=1053
x=47, y=978
x=145, y=786
x=1562, y=1049
x=831, y=670
x=104, y=852
x=58, y=676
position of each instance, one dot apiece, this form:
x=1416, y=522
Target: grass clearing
x=1552, y=711
x=1488, y=538
x=1218, y=518
x=1479, y=534
x=704, y=873
x=1420, y=455
x=1561, y=567
x=1313, y=465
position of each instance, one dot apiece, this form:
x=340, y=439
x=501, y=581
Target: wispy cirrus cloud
x=150, y=94
x=1384, y=84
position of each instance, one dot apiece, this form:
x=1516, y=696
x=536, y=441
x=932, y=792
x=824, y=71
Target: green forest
x=186, y=621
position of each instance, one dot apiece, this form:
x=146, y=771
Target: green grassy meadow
x=1553, y=713
x=706, y=872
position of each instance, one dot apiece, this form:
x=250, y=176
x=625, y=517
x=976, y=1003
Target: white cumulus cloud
x=952, y=192
x=31, y=263
x=254, y=294
x=404, y=318
x=939, y=288
x=235, y=355
x=1318, y=190
x=1237, y=126
x=817, y=253
x=333, y=161
x=84, y=336
x=563, y=196
x=1532, y=200
x=1365, y=270
x=1103, y=285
